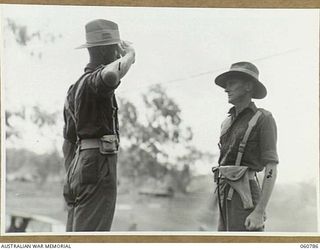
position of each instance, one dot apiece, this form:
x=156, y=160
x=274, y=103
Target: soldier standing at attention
x=91, y=130
x=247, y=145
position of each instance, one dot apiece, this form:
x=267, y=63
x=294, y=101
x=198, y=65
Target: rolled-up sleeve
x=97, y=83
x=268, y=140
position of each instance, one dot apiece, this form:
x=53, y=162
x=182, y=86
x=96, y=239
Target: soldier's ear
x=249, y=86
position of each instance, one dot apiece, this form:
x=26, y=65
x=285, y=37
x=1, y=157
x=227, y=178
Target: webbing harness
x=241, y=148
x=66, y=104
x=243, y=143
x=67, y=107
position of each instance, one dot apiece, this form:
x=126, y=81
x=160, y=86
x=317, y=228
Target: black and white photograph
x=159, y=120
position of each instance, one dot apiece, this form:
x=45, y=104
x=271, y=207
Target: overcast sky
x=184, y=49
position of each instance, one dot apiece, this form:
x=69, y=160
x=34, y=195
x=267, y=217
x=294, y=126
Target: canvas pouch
x=238, y=178
x=109, y=144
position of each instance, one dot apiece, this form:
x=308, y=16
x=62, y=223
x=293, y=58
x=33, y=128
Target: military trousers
x=90, y=191
x=233, y=214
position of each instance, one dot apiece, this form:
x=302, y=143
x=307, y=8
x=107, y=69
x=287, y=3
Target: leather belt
x=89, y=143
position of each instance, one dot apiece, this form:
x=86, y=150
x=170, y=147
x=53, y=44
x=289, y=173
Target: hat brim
x=259, y=91
x=90, y=45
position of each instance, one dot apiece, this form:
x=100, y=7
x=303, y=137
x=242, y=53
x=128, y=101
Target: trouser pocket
x=256, y=195
x=67, y=193
x=89, y=173
x=255, y=192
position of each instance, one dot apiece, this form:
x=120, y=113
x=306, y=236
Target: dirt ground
x=288, y=211
x=133, y=211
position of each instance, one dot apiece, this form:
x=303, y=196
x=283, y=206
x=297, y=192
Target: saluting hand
x=126, y=48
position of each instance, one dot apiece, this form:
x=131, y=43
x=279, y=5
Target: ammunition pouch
x=238, y=178
x=109, y=144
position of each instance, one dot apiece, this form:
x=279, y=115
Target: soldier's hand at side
x=254, y=221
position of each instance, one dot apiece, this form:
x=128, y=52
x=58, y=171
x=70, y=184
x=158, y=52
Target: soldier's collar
x=251, y=106
x=91, y=67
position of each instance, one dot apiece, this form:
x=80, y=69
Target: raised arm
x=114, y=71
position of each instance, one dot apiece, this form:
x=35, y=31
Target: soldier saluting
x=91, y=130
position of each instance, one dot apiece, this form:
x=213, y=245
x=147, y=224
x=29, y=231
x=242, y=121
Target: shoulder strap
x=82, y=80
x=67, y=106
x=243, y=143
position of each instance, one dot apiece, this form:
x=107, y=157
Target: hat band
x=105, y=35
x=237, y=69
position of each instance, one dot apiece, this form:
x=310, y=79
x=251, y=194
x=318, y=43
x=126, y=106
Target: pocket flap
x=233, y=173
x=109, y=138
x=109, y=144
